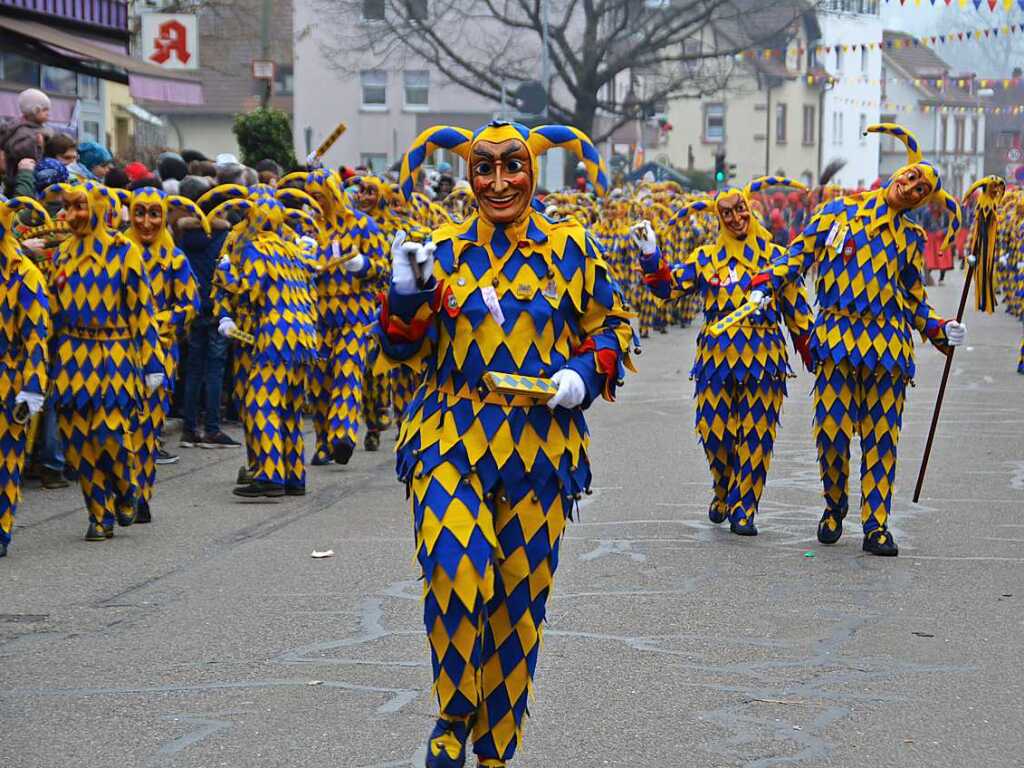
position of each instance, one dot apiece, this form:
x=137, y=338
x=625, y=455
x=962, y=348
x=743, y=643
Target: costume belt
x=481, y=395
x=115, y=333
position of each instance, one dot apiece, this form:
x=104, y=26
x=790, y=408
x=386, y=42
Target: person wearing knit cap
x=95, y=160
x=136, y=171
x=25, y=138
x=171, y=165
x=117, y=178
x=48, y=172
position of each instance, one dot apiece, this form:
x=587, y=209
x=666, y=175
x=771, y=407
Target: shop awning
x=146, y=81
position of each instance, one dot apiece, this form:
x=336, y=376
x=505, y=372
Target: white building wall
x=843, y=119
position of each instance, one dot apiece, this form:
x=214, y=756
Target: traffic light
x=720, y=172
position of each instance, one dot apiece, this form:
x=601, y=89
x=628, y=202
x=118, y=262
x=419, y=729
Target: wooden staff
x=977, y=245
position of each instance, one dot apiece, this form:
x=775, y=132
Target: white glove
x=955, y=333
x=1003, y=260
x=309, y=244
x=972, y=260
x=355, y=263
x=1020, y=266
x=571, y=389
x=644, y=238
x=313, y=162
x=153, y=382
x=403, y=255
x=33, y=400
x=226, y=326
x=760, y=298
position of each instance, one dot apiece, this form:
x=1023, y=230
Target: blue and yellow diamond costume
x=347, y=307
x=493, y=477
x=105, y=340
x=24, y=329
x=740, y=376
x=871, y=299
x=393, y=388
x=175, y=293
x=271, y=279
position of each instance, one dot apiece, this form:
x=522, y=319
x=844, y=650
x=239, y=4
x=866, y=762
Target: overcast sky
x=992, y=57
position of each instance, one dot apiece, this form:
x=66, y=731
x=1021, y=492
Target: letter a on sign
x=170, y=40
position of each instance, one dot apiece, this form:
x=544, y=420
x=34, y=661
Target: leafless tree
x=610, y=61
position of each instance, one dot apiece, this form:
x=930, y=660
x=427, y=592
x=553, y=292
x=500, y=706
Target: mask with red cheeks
x=502, y=177
x=735, y=215
x=908, y=189
x=147, y=221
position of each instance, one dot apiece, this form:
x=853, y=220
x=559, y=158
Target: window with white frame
x=809, y=124
x=714, y=122
x=780, y=123
x=839, y=60
x=375, y=88
x=417, y=88
x=862, y=126
x=974, y=134
x=863, y=60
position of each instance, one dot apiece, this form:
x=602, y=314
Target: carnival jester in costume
x=272, y=281
x=176, y=302
x=492, y=476
x=107, y=355
x=351, y=260
x=24, y=328
x=740, y=376
x=871, y=298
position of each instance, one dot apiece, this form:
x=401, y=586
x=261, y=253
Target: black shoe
x=343, y=452
x=372, y=441
x=717, y=513
x=163, y=457
x=3, y=549
x=258, y=489
x=96, y=532
x=299, y=490
x=244, y=476
x=142, y=513
x=744, y=527
x=189, y=439
x=125, y=517
x=830, y=527
x=321, y=459
x=218, y=439
x=52, y=478
x=880, y=542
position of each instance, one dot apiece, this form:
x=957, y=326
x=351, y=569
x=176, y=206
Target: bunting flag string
x=891, y=106
x=927, y=41
x=992, y=4
x=938, y=83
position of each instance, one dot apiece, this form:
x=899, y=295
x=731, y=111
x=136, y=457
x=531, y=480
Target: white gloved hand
x=313, y=162
x=761, y=298
x=226, y=326
x=403, y=255
x=1020, y=266
x=153, y=382
x=644, y=238
x=355, y=263
x=1003, y=260
x=571, y=389
x=309, y=244
x=955, y=333
x=33, y=400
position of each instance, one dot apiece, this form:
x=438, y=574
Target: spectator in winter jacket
x=94, y=160
x=25, y=137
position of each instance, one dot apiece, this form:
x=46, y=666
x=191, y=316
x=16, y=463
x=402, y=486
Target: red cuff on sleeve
x=398, y=330
x=608, y=364
x=936, y=330
x=761, y=278
x=663, y=275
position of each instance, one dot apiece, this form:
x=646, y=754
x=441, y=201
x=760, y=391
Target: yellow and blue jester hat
x=537, y=140
x=151, y=195
x=710, y=203
x=9, y=208
x=915, y=159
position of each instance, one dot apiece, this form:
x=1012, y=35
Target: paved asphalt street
x=212, y=638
